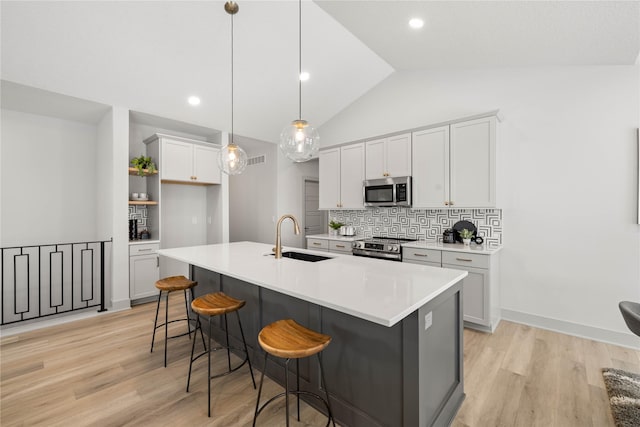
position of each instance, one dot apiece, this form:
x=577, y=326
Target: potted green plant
x=466, y=236
x=141, y=163
x=334, y=227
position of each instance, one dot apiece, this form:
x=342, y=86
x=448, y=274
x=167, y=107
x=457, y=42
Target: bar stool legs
x=211, y=305
x=289, y=340
x=166, y=286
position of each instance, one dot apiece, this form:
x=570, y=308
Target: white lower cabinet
x=481, y=304
x=431, y=257
x=329, y=245
x=317, y=244
x=144, y=270
x=340, y=247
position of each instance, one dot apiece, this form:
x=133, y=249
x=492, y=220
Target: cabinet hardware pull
x=424, y=255
x=144, y=250
x=464, y=259
x=446, y=203
x=450, y=203
x=157, y=261
x=340, y=246
x=316, y=243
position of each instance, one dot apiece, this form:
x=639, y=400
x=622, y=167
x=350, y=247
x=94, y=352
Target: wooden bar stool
x=289, y=340
x=168, y=285
x=210, y=305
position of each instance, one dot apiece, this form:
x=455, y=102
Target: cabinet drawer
x=318, y=244
x=421, y=255
x=143, y=249
x=338, y=246
x=465, y=259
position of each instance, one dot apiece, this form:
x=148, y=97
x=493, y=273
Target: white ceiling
x=149, y=56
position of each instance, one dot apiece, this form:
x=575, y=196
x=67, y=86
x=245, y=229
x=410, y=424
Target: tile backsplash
x=420, y=224
x=140, y=213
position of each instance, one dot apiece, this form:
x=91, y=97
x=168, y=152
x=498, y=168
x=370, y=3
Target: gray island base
x=407, y=374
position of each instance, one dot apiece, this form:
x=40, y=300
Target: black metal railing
x=45, y=280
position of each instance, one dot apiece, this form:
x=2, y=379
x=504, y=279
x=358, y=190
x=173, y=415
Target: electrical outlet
x=428, y=320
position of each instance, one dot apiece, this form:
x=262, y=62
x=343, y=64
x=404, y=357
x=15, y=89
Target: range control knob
x=356, y=245
x=393, y=248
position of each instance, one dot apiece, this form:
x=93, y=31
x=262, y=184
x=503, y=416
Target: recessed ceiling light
x=416, y=23
x=194, y=100
x=304, y=76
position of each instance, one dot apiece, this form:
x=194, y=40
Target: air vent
x=256, y=160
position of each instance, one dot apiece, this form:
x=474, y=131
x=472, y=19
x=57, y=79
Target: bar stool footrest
x=299, y=392
x=229, y=371
x=176, y=336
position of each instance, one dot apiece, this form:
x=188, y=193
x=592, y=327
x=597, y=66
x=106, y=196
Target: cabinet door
x=398, y=155
x=318, y=244
x=374, y=155
x=430, y=167
x=351, y=176
x=473, y=163
x=475, y=295
x=177, y=158
x=144, y=272
x=340, y=247
x=205, y=165
x=329, y=179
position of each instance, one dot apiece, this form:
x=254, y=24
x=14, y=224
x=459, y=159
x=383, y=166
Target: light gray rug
x=624, y=396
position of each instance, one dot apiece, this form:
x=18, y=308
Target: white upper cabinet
x=430, y=178
x=329, y=179
x=341, y=174
x=473, y=163
x=388, y=157
x=189, y=162
x=205, y=164
x=455, y=165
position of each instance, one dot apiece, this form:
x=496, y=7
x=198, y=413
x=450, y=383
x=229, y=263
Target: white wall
x=120, y=158
x=253, y=197
x=567, y=179
x=49, y=180
x=291, y=196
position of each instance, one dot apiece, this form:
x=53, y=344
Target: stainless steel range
x=380, y=247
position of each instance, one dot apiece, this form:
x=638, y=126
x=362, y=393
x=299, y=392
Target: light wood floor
x=99, y=372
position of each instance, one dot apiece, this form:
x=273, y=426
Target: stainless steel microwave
x=387, y=191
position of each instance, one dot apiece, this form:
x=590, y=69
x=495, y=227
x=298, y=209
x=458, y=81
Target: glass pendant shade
x=232, y=159
x=299, y=141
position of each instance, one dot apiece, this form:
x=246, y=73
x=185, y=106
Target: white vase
x=466, y=242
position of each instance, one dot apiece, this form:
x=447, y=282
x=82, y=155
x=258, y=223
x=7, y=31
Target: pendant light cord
x=231, y=139
x=299, y=59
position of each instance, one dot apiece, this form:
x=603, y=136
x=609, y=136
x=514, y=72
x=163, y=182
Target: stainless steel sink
x=304, y=257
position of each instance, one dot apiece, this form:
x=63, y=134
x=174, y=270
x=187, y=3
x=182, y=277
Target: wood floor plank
x=100, y=372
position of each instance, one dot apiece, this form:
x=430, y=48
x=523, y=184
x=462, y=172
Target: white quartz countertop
x=380, y=291
x=453, y=247
x=332, y=237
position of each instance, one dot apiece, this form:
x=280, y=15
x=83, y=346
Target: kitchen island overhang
x=396, y=354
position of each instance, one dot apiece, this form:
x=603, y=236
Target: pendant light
x=232, y=159
x=299, y=141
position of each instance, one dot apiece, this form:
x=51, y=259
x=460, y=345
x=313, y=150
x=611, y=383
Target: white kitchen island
x=396, y=354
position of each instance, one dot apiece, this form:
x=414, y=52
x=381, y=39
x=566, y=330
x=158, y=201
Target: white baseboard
x=569, y=328
x=123, y=304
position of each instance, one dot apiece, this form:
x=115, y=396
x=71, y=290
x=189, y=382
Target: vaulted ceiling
x=149, y=56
